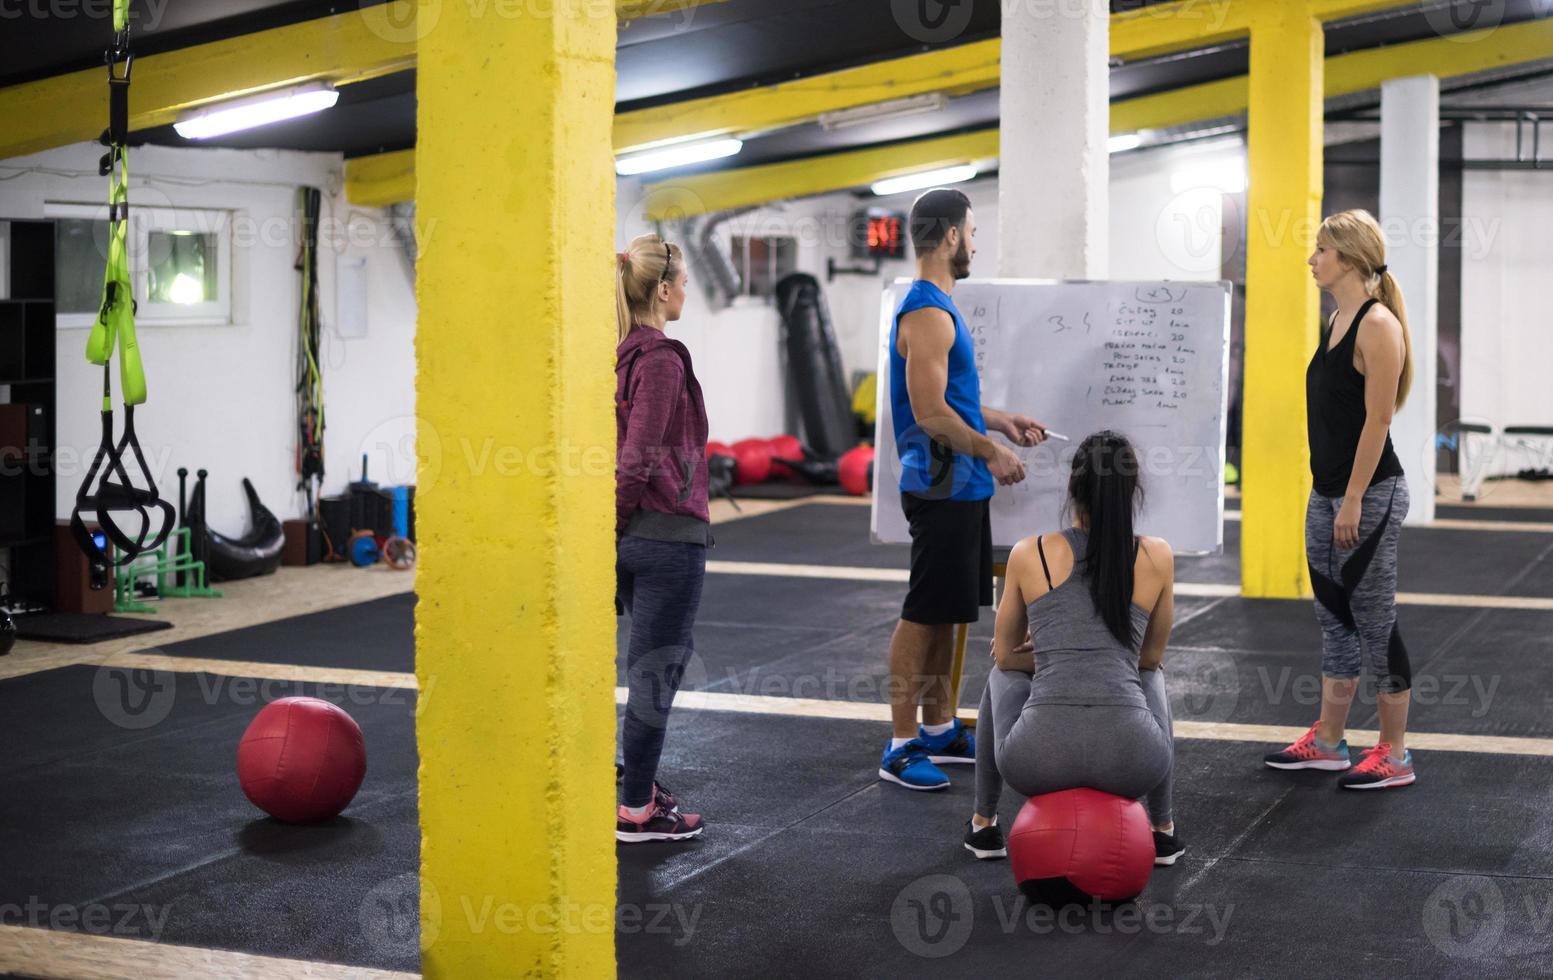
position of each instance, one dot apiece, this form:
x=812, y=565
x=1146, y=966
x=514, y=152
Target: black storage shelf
x=27, y=432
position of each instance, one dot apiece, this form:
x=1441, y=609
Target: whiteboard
x=1148, y=359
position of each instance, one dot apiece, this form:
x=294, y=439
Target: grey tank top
x=1077, y=659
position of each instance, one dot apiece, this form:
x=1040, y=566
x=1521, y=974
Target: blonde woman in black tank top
x=1358, y=377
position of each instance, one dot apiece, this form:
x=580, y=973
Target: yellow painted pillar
x=1284, y=149
x=514, y=629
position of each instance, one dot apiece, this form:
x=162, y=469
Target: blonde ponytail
x=1390, y=296
x=1356, y=236
x=646, y=262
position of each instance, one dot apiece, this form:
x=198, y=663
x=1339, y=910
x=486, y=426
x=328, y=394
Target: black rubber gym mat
x=1488, y=512
x=814, y=534
x=118, y=793
x=83, y=627
x=376, y=635
x=871, y=879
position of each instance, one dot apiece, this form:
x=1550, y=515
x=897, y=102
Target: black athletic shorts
x=951, y=560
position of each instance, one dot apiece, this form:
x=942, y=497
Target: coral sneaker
x=1308, y=753
x=1379, y=770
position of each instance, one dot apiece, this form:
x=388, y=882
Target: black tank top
x=1335, y=414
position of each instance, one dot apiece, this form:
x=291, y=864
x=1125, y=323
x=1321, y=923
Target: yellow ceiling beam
x=1459, y=54
x=957, y=70
x=381, y=179
x=674, y=198
x=344, y=48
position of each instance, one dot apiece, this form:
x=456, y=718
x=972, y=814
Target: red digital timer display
x=885, y=236
x=879, y=234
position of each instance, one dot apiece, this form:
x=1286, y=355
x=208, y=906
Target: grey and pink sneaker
x=656, y=824
x=1379, y=770
x=1307, y=752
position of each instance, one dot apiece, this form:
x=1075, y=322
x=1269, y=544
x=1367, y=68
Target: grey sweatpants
x=1043, y=748
x=1356, y=589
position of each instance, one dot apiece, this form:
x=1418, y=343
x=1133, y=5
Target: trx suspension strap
x=116, y=326
x=310, y=381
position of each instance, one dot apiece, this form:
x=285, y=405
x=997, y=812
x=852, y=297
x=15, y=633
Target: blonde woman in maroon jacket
x=661, y=523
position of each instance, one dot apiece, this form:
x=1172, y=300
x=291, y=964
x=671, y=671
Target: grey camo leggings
x=1356, y=589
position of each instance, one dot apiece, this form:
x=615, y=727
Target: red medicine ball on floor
x=1079, y=844
x=301, y=760
x=753, y=458
x=855, y=470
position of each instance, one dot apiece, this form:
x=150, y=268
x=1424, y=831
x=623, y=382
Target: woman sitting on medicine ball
x=1076, y=697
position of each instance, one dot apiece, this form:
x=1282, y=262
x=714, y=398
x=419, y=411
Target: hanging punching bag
x=814, y=366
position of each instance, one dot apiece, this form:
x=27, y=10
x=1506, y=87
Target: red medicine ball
x=855, y=470
x=1078, y=844
x=301, y=760
x=753, y=461
x=784, y=447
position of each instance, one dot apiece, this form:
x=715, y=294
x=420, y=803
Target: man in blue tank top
x=949, y=467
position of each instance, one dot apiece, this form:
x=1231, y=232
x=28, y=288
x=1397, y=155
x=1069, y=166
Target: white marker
x=1056, y=435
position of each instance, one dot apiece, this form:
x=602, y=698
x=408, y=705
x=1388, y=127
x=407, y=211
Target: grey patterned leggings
x=1356, y=589
x=1043, y=748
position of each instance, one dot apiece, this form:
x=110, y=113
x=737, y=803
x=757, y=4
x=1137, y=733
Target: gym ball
x=1081, y=844
x=753, y=461
x=855, y=470
x=301, y=760
x=784, y=447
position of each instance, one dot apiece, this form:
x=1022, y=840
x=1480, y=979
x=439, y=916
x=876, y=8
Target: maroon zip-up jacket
x=661, y=429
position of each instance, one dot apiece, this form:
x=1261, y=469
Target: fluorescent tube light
x=678, y=155
x=258, y=110
x=912, y=105
x=927, y=178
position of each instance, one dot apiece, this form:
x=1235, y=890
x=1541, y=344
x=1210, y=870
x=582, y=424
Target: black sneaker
x=986, y=843
x=1167, y=847
x=657, y=824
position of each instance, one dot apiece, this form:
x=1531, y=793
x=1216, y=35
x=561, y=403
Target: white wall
x=1155, y=233
x=1506, y=292
x=221, y=397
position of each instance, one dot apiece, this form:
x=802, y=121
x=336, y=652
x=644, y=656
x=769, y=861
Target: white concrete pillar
x=1410, y=215
x=1053, y=167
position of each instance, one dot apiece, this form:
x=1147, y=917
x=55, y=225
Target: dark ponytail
x=1104, y=487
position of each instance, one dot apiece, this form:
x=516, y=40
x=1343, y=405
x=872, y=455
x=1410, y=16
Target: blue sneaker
x=957, y=745
x=909, y=766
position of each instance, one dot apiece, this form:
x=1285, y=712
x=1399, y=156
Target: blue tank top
x=928, y=468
